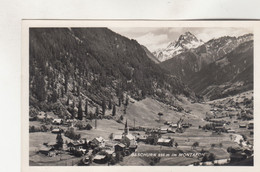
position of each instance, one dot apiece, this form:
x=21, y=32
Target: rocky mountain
x=187, y=63
x=193, y=65
x=71, y=66
x=185, y=42
x=229, y=75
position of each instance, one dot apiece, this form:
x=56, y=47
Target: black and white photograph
x=140, y=96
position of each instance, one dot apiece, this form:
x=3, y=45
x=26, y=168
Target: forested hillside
x=77, y=66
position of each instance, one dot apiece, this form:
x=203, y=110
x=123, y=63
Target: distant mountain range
x=192, y=65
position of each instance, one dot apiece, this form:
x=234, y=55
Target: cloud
x=159, y=37
x=152, y=41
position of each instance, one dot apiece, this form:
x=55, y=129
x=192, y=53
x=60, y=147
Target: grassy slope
x=145, y=114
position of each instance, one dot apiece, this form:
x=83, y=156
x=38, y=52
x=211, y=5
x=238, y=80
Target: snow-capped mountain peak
x=185, y=42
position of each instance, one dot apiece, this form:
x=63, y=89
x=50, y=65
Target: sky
x=154, y=37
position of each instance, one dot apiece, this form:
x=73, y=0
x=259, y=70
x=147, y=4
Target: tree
x=78, y=91
x=114, y=110
x=97, y=112
x=59, y=140
x=80, y=113
x=40, y=91
x=62, y=92
x=220, y=145
x=103, y=107
x=66, y=82
x=55, y=96
x=109, y=104
x=73, y=88
x=86, y=108
x=211, y=157
x=111, y=136
x=195, y=144
x=160, y=114
x=127, y=101
x=119, y=101
x=176, y=144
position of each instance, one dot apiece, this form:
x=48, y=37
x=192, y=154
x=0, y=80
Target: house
x=57, y=121
x=231, y=131
x=242, y=126
x=120, y=147
x=46, y=150
x=57, y=130
x=220, y=128
x=169, y=130
x=163, y=130
x=132, y=147
x=221, y=161
x=109, y=152
x=185, y=125
x=250, y=125
x=78, y=146
x=100, y=159
x=165, y=142
x=167, y=123
x=142, y=138
x=118, y=137
x=99, y=141
x=174, y=125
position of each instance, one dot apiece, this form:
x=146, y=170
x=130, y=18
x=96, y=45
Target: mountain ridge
x=185, y=42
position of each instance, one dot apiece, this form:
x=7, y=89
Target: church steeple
x=126, y=128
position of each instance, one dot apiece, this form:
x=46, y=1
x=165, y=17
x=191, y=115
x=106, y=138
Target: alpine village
x=97, y=98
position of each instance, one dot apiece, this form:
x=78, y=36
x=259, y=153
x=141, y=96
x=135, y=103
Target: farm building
x=220, y=128
x=217, y=121
x=100, y=159
x=221, y=161
x=163, y=130
x=132, y=147
x=57, y=130
x=173, y=125
x=231, y=131
x=242, y=126
x=142, y=138
x=46, y=150
x=109, y=152
x=186, y=125
x=120, y=147
x=99, y=141
x=169, y=130
x=165, y=142
x=79, y=144
x=117, y=137
x=57, y=121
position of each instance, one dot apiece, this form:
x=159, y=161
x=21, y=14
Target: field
x=144, y=113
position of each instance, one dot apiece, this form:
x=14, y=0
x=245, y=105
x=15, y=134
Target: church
x=127, y=138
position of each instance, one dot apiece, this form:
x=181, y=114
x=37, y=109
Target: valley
x=97, y=98
x=144, y=114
